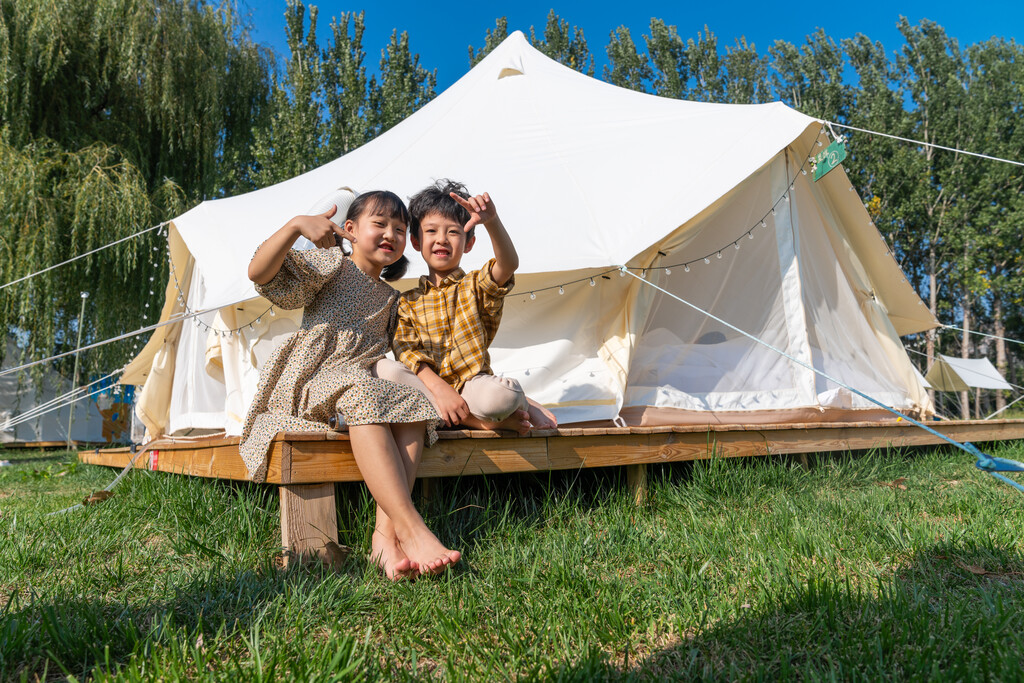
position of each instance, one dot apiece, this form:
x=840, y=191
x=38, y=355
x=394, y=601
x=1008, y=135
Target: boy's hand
x=319, y=229
x=452, y=408
x=481, y=209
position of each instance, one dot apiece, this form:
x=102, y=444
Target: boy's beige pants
x=489, y=397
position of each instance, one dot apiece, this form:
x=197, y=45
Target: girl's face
x=377, y=241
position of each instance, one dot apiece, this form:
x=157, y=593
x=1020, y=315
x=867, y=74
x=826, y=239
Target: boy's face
x=442, y=242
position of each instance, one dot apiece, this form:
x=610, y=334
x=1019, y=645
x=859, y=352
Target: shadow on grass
x=949, y=613
x=74, y=636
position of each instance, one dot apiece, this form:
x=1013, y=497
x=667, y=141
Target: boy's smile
x=442, y=242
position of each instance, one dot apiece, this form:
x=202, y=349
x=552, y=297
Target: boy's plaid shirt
x=450, y=327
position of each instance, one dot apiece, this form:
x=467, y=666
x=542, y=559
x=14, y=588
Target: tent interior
x=711, y=203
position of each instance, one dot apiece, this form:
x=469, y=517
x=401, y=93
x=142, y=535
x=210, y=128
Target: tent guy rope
x=126, y=335
x=984, y=462
x=82, y=256
x=928, y=144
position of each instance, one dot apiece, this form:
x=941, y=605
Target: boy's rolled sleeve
x=406, y=344
x=491, y=295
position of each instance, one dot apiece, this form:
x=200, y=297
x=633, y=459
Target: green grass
x=755, y=570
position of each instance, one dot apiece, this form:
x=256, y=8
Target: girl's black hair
x=436, y=198
x=381, y=203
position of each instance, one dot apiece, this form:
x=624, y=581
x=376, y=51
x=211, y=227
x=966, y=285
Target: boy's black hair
x=381, y=203
x=436, y=199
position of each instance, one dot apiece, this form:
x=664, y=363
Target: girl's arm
x=318, y=229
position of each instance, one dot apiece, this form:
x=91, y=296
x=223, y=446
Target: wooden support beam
x=429, y=487
x=309, y=523
x=636, y=479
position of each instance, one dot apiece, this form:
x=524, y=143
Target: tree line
x=118, y=114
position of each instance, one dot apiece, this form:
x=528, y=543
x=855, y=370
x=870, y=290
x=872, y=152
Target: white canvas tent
x=588, y=176
x=959, y=374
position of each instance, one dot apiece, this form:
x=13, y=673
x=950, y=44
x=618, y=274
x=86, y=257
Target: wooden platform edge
x=316, y=461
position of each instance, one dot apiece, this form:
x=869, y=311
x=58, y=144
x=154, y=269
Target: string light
x=188, y=311
x=668, y=271
x=561, y=290
x=533, y=295
x=686, y=268
x=592, y=283
x=707, y=260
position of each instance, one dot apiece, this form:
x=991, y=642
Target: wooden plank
x=328, y=459
x=309, y=523
x=215, y=462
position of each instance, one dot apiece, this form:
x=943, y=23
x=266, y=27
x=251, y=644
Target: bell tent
x=710, y=202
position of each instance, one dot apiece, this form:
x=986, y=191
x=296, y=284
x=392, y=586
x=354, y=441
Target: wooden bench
x=306, y=465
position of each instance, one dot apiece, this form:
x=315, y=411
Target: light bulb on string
x=622, y=273
x=718, y=255
x=785, y=197
x=533, y=295
x=773, y=210
x=686, y=268
x=763, y=224
x=736, y=245
x=819, y=143
x=803, y=171
x=668, y=271
x=707, y=260
x=272, y=313
x=561, y=290
x=592, y=283
x=750, y=235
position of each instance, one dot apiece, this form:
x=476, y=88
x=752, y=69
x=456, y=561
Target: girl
x=326, y=367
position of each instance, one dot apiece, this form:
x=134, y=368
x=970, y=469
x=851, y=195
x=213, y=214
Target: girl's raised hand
x=481, y=209
x=320, y=229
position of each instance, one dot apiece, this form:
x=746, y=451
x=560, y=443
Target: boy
x=446, y=324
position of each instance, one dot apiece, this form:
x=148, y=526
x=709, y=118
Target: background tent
x=18, y=394
x=958, y=374
x=587, y=176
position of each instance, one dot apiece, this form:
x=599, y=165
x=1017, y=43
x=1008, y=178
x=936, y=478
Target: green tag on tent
x=828, y=159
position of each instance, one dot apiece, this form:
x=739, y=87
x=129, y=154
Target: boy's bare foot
x=518, y=422
x=541, y=417
x=390, y=557
x=427, y=553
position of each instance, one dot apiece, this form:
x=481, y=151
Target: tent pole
x=74, y=381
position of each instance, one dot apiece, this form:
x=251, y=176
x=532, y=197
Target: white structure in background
x=587, y=176
x=18, y=395
x=960, y=374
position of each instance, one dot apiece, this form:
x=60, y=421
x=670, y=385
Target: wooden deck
x=316, y=457
x=305, y=465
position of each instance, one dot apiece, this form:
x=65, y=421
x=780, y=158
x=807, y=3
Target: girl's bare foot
x=427, y=553
x=390, y=557
x=541, y=417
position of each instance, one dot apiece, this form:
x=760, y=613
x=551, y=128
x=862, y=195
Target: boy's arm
x=452, y=408
x=269, y=257
x=409, y=350
x=482, y=210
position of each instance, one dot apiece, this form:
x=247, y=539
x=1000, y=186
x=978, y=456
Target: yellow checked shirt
x=450, y=327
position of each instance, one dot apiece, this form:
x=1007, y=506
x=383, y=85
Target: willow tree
x=114, y=116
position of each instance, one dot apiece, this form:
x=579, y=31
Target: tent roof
x=957, y=374
x=584, y=174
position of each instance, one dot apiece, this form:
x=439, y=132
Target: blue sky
x=441, y=32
